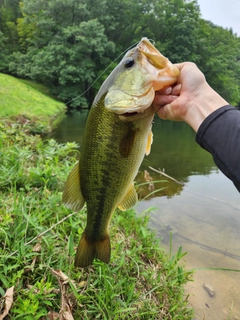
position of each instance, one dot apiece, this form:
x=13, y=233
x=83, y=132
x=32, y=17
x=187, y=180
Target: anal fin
x=130, y=199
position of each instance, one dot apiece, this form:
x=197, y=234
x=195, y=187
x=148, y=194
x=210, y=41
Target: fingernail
x=179, y=86
x=168, y=90
x=177, y=89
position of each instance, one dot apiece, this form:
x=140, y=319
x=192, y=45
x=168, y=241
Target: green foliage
x=219, y=60
x=63, y=53
x=65, y=44
x=25, y=30
x=32, y=164
x=9, y=12
x=178, y=29
x=38, y=238
x=4, y=53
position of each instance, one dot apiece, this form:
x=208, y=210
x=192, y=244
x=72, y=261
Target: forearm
x=204, y=103
x=219, y=134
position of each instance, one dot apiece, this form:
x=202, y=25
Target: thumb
x=164, y=112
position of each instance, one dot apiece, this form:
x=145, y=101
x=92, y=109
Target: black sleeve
x=219, y=134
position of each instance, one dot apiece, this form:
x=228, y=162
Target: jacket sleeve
x=219, y=134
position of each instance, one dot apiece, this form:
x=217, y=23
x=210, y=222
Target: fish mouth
x=148, y=49
x=131, y=93
x=164, y=71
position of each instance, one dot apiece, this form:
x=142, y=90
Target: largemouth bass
x=116, y=138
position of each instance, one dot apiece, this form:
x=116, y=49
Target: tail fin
x=88, y=250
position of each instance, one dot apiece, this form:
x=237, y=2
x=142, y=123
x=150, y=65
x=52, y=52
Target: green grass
x=38, y=238
x=28, y=100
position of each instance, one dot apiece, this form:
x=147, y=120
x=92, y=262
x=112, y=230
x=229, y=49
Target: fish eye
x=129, y=62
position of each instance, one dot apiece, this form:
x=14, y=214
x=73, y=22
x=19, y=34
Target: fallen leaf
x=66, y=305
x=82, y=284
x=37, y=247
x=53, y=315
x=60, y=274
x=67, y=315
x=8, y=302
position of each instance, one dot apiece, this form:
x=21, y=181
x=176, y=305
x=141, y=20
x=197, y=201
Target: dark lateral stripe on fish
x=99, y=219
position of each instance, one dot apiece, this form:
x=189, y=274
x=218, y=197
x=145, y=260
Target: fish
x=117, y=136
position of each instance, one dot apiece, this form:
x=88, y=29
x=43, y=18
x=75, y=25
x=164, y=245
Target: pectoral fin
x=149, y=143
x=72, y=195
x=130, y=199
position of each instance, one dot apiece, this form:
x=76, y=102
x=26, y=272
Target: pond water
x=202, y=213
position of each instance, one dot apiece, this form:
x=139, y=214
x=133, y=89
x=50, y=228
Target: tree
x=62, y=51
x=66, y=44
x=4, y=53
x=9, y=13
x=177, y=29
x=219, y=51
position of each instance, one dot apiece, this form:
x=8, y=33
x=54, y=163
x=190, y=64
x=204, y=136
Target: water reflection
x=71, y=127
x=205, y=220
x=175, y=150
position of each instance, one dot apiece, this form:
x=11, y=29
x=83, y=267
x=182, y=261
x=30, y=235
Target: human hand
x=190, y=100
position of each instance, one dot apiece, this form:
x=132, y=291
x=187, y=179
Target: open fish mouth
x=156, y=64
x=142, y=72
x=153, y=55
x=131, y=116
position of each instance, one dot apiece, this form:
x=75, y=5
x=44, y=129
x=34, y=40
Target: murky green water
x=203, y=215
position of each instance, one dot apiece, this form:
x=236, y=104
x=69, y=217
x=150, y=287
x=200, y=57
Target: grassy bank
x=28, y=102
x=38, y=237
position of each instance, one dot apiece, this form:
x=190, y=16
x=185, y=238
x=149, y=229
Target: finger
x=167, y=112
x=164, y=90
x=180, y=65
x=176, y=90
x=161, y=111
x=162, y=100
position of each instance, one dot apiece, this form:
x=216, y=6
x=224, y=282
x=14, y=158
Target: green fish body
x=116, y=138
